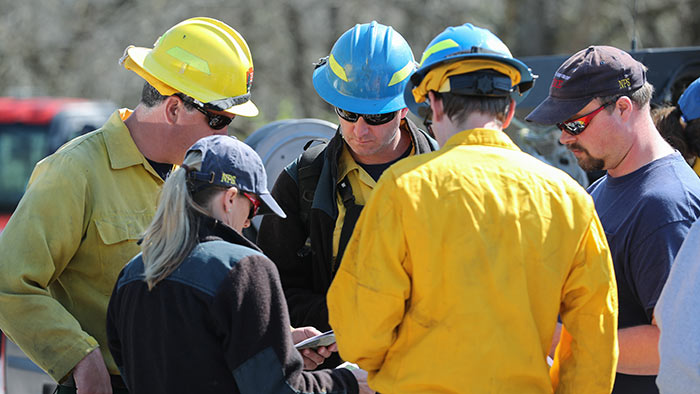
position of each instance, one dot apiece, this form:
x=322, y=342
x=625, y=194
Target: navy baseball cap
x=689, y=103
x=228, y=162
x=596, y=71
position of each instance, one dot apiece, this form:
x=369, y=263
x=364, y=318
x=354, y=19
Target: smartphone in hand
x=325, y=339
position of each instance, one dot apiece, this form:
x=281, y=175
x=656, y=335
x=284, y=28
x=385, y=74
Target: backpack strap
x=308, y=172
x=352, y=213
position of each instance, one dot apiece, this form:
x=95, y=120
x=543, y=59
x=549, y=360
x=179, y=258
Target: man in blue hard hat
x=324, y=190
x=463, y=258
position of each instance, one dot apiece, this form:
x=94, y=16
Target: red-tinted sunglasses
x=256, y=204
x=576, y=126
x=372, y=120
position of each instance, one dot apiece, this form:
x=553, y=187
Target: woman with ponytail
x=680, y=125
x=201, y=309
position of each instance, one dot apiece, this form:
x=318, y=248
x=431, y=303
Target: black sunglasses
x=216, y=122
x=372, y=120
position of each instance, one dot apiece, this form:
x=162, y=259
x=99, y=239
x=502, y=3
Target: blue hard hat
x=689, y=102
x=466, y=42
x=366, y=71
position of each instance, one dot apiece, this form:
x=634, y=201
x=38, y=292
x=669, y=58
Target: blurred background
x=71, y=47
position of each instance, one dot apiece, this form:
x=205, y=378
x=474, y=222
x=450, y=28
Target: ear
x=229, y=196
x=403, y=112
x=625, y=105
x=511, y=113
x=172, y=107
x=436, y=106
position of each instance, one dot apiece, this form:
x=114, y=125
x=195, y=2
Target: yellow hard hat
x=203, y=58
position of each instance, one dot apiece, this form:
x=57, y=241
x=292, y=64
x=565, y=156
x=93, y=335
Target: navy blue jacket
x=217, y=324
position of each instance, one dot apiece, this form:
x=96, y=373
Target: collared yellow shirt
x=458, y=267
x=76, y=226
x=696, y=166
x=362, y=185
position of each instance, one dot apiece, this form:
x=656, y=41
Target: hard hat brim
x=247, y=109
x=420, y=108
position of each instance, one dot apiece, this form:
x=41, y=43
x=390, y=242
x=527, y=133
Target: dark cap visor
x=552, y=110
x=270, y=206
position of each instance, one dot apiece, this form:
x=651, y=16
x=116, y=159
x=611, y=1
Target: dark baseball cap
x=228, y=162
x=596, y=71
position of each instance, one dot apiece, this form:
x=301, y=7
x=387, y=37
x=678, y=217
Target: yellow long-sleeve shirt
x=458, y=268
x=62, y=250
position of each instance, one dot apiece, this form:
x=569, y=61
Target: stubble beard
x=587, y=162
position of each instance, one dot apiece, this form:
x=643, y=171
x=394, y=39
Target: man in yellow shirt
x=463, y=258
x=86, y=205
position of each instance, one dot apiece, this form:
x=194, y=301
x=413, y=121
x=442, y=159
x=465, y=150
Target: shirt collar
x=484, y=137
x=210, y=228
x=121, y=148
x=347, y=164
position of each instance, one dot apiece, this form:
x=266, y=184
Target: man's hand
x=316, y=356
x=361, y=376
x=91, y=376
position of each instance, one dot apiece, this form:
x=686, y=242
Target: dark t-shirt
x=162, y=169
x=376, y=170
x=646, y=215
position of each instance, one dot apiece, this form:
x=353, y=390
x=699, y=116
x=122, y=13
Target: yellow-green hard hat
x=203, y=58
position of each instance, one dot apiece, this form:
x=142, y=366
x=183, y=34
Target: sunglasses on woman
x=255, y=202
x=372, y=120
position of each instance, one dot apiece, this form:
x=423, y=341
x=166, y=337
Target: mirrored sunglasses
x=576, y=126
x=372, y=120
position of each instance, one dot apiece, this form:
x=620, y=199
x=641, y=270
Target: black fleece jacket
x=217, y=324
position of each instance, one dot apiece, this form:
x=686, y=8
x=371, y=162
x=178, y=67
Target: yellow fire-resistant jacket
x=458, y=268
x=62, y=250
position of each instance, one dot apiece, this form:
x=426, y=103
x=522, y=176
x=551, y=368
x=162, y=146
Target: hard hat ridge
x=366, y=71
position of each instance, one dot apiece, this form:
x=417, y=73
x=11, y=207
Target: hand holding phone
x=325, y=339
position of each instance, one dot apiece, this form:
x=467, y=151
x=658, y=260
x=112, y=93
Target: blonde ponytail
x=172, y=234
